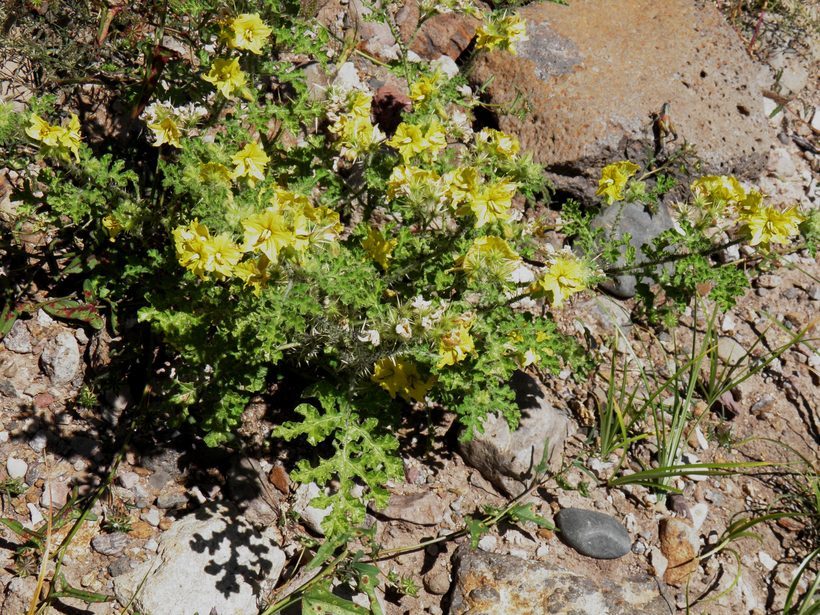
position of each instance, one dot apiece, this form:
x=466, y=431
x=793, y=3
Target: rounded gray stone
x=593, y=533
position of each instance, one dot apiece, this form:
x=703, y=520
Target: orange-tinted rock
x=678, y=544
x=447, y=34
x=594, y=76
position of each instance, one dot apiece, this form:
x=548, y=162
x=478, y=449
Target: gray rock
x=642, y=226
x=603, y=315
x=172, y=500
x=592, y=533
x=35, y=470
x=38, y=442
x=418, y=508
x=109, y=544
x=128, y=480
x=18, y=339
x=311, y=515
x=486, y=583
x=60, y=360
x=506, y=458
x=120, y=566
x=211, y=560
x=18, y=595
x=159, y=479
x=55, y=494
x=152, y=517
x=16, y=468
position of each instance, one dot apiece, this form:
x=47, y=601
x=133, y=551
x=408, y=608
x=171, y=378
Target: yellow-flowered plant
x=718, y=191
x=54, y=139
x=401, y=377
x=425, y=88
x=254, y=273
x=768, y=225
x=228, y=78
x=408, y=140
x=566, y=275
x=501, y=32
x=250, y=162
x=378, y=247
x=497, y=143
x=355, y=132
x=491, y=203
x=456, y=343
x=491, y=256
x=247, y=32
x=613, y=180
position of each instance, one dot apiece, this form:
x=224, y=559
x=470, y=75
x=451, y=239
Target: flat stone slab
x=488, y=583
x=593, y=74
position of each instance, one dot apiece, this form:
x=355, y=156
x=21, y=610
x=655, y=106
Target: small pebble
x=4, y=436
x=35, y=516
x=38, y=442
x=151, y=545
x=593, y=533
x=109, y=544
x=769, y=563
x=152, y=517
x=120, y=566
x=16, y=467
x=128, y=480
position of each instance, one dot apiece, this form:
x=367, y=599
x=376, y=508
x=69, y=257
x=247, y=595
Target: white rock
x=4, y=436
x=312, y=516
x=658, y=561
x=446, y=65
x=16, y=467
x=488, y=543
x=542, y=551
x=699, y=513
x=211, y=560
x=703, y=443
x=44, y=319
x=60, y=360
x=815, y=121
x=35, y=516
x=347, y=78
x=728, y=325
x=152, y=517
x=128, y=480
x=769, y=563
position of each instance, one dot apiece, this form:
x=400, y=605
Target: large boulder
x=593, y=75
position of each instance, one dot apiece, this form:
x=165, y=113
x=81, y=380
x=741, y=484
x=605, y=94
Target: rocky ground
x=228, y=527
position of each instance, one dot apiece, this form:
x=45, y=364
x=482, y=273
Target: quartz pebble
x=16, y=467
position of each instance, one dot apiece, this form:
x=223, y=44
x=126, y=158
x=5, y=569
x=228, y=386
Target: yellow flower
x=250, y=33
x=70, y=136
x=409, y=140
x=424, y=88
x=61, y=139
x=253, y=273
x=456, y=344
x=501, y=33
x=491, y=204
x=42, y=131
x=413, y=182
x=768, y=225
x=462, y=185
x=566, y=276
x=435, y=138
x=215, y=173
x=267, y=232
x=112, y=225
x=222, y=255
x=401, y=377
x=718, y=190
x=490, y=255
x=190, y=245
x=379, y=248
x=166, y=131
x=250, y=162
x=228, y=78
x=613, y=180
x=497, y=143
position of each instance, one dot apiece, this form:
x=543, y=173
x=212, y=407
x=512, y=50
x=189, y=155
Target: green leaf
x=69, y=309
x=477, y=529
x=524, y=512
x=7, y=319
x=319, y=601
